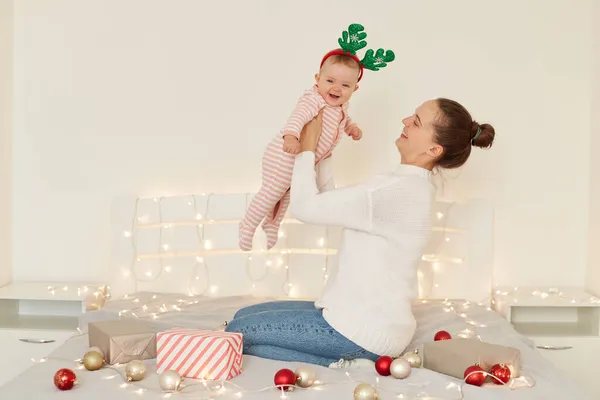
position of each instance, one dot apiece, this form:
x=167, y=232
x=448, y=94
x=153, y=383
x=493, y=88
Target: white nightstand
x=40, y=311
x=564, y=323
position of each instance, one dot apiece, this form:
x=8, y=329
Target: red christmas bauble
x=442, y=335
x=474, y=375
x=502, y=372
x=285, y=378
x=65, y=379
x=382, y=365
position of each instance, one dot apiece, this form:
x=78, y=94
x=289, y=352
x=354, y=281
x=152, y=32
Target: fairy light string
x=206, y=389
x=196, y=389
x=200, y=280
x=204, y=248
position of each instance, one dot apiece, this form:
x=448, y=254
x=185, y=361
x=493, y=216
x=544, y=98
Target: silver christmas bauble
x=364, y=391
x=305, y=377
x=400, y=368
x=170, y=381
x=413, y=358
x=135, y=370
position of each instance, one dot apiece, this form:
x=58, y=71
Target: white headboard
x=189, y=245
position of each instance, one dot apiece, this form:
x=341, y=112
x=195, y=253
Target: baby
x=338, y=77
x=336, y=81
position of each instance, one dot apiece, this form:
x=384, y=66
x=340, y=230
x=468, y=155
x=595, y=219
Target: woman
x=365, y=309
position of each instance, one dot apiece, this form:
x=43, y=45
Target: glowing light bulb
x=168, y=268
x=127, y=234
x=440, y=215
x=207, y=245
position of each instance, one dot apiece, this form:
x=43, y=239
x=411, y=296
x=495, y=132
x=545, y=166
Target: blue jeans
x=293, y=331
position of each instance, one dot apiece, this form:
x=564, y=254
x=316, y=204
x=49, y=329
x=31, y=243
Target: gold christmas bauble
x=364, y=391
x=95, y=348
x=170, y=381
x=135, y=370
x=413, y=358
x=93, y=360
x=305, y=377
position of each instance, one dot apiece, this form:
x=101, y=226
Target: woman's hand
x=309, y=137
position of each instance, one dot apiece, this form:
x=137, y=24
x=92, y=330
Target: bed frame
x=188, y=244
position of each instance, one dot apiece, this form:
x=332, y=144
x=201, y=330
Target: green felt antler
x=377, y=60
x=353, y=39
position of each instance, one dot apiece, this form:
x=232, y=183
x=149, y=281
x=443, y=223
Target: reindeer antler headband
x=353, y=40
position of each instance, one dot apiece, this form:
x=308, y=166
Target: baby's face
x=336, y=82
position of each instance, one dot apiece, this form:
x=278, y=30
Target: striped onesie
x=272, y=200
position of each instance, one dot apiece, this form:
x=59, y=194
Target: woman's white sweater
x=387, y=223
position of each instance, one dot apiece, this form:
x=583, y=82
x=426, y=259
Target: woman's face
x=416, y=143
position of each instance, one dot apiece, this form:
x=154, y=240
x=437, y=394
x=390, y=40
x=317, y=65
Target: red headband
x=347, y=54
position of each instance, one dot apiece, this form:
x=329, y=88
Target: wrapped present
x=200, y=354
x=123, y=340
x=453, y=357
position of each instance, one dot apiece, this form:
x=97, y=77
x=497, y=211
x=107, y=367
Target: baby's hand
x=291, y=144
x=355, y=132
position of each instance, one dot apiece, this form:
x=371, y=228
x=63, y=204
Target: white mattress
x=209, y=313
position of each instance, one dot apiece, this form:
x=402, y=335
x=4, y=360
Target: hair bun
x=485, y=138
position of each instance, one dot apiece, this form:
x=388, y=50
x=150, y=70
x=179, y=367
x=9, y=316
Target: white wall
x=6, y=25
x=593, y=273
x=148, y=97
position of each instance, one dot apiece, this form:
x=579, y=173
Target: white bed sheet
x=210, y=313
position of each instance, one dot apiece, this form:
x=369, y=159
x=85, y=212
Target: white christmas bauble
x=170, y=381
x=400, y=368
x=305, y=377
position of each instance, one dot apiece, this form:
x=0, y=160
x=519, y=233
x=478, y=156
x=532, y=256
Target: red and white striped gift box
x=199, y=354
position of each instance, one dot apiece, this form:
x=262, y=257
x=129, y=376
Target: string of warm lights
x=216, y=388
x=198, y=388
x=551, y=293
x=205, y=247
x=101, y=293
